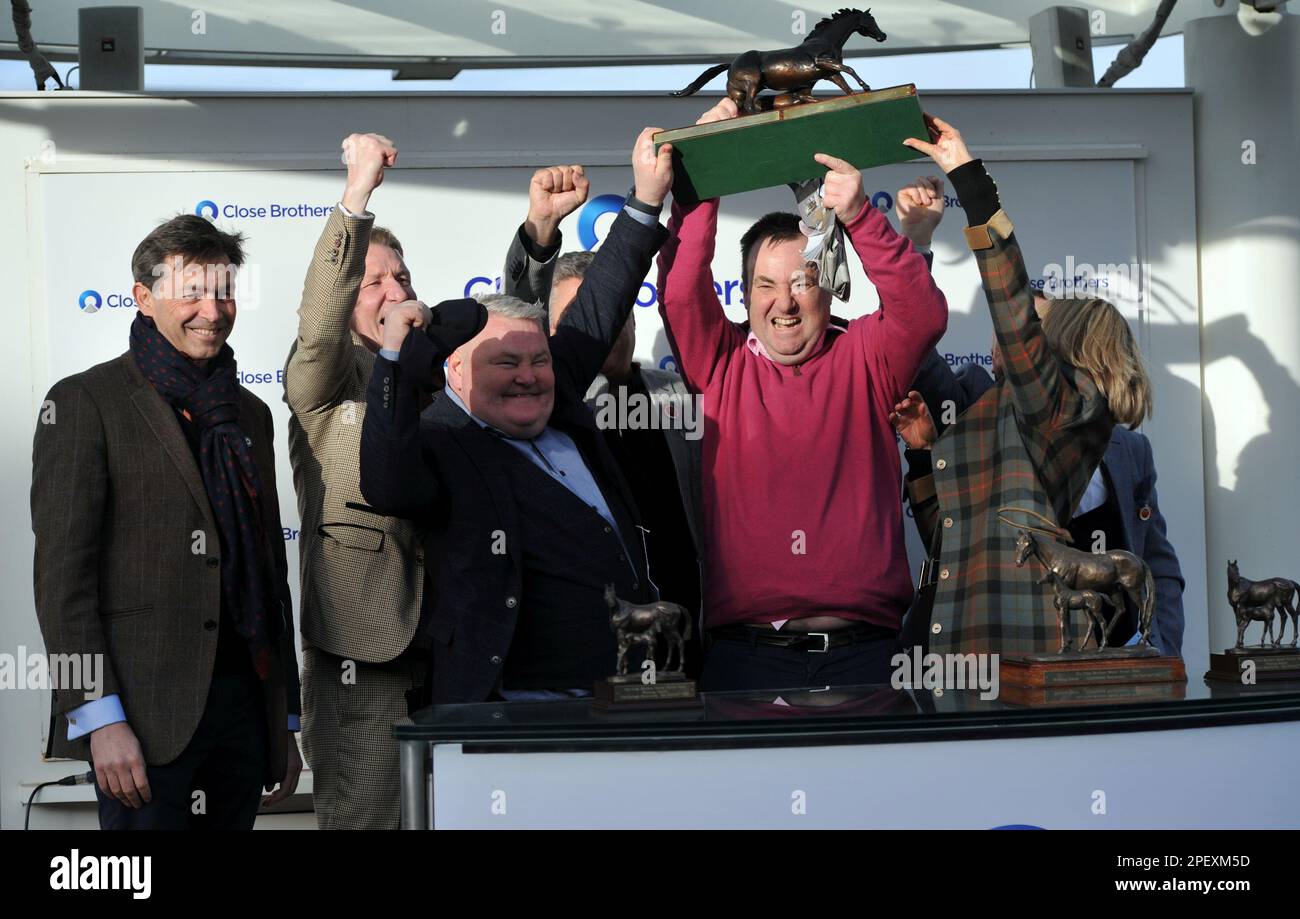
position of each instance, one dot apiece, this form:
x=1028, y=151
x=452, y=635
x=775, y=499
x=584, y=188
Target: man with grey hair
x=529, y=516
x=646, y=417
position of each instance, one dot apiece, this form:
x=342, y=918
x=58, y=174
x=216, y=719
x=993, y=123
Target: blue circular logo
x=206, y=205
x=668, y=362
x=90, y=301
x=595, y=209
x=882, y=200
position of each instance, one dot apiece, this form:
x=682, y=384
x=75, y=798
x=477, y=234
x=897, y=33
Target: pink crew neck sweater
x=801, y=482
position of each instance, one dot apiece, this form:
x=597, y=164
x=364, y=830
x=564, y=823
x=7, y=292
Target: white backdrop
x=1089, y=178
x=89, y=311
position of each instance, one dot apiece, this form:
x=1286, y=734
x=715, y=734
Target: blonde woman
x=1026, y=450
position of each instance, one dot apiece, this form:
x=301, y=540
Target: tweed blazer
x=128, y=559
x=1031, y=442
x=362, y=573
x=1132, y=470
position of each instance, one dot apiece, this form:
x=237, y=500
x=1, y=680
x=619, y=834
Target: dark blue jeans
x=225, y=759
x=736, y=665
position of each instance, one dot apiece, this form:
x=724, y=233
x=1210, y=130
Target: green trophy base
x=1090, y=668
x=1270, y=664
x=775, y=148
x=669, y=690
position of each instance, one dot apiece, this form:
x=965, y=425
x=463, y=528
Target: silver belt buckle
x=826, y=643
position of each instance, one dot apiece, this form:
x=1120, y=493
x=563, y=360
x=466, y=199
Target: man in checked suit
x=363, y=573
x=159, y=549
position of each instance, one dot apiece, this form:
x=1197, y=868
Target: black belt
x=812, y=642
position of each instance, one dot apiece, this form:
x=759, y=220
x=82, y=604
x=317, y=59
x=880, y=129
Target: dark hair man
x=806, y=578
x=159, y=549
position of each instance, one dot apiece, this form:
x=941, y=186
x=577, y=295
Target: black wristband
x=637, y=204
x=976, y=191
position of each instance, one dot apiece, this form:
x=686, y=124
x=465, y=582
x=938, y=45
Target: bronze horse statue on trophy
x=1087, y=601
x=1257, y=600
x=1114, y=574
x=644, y=624
x=794, y=70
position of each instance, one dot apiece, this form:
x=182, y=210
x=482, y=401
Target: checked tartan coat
x=1031, y=442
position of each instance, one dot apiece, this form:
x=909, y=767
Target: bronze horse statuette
x=794, y=70
x=644, y=624
x=1258, y=600
x=1112, y=574
x=1088, y=601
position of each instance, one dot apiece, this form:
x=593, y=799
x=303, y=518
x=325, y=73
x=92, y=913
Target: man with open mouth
x=805, y=576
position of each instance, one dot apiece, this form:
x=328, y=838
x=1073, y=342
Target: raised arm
x=554, y=193
x=913, y=313
x=1049, y=397
x=321, y=357
x=700, y=334
x=591, y=325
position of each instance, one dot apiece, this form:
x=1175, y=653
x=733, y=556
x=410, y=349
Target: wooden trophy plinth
x=1255, y=665
x=775, y=148
x=628, y=693
x=1076, y=669
x=1092, y=694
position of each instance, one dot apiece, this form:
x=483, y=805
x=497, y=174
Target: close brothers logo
x=91, y=301
x=275, y=210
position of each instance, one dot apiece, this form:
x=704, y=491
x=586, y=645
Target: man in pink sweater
x=806, y=577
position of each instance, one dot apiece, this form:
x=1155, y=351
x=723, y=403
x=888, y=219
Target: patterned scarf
x=209, y=398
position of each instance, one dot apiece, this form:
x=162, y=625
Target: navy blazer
x=443, y=470
x=1131, y=467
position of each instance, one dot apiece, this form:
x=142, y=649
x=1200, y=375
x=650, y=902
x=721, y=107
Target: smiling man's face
x=504, y=376
x=192, y=304
x=788, y=311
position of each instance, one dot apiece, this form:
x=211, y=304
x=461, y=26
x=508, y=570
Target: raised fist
x=366, y=156
x=919, y=207
x=554, y=193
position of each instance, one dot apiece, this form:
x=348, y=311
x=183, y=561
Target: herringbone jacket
x=362, y=573
x=128, y=561
x=1031, y=442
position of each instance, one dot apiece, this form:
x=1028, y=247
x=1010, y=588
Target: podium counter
x=1197, y=755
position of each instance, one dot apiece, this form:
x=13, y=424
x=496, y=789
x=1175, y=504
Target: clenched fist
x=919, y=208
x=399, y=318
x=554, y=193
x=366, y=156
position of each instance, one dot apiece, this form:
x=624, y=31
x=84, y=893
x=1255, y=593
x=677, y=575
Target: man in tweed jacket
x=363, y=574
x=1030, y=444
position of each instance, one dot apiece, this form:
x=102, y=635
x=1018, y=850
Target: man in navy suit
x=528, y=511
